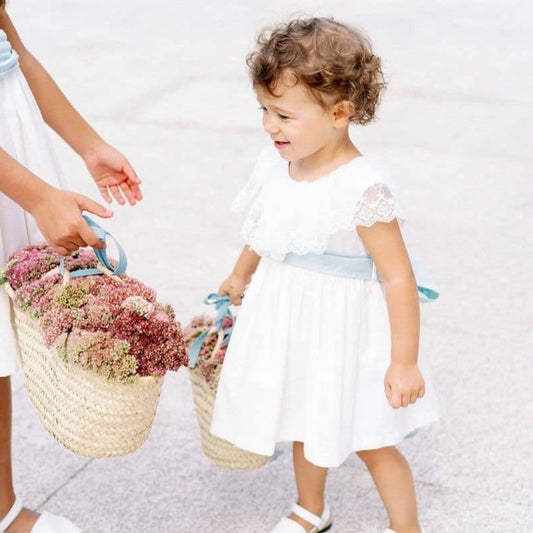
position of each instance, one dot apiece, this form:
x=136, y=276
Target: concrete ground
x=165, y=82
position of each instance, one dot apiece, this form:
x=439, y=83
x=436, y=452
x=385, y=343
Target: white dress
x=309, y=352
x=24, y=135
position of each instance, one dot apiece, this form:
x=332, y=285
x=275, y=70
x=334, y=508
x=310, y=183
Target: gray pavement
x=165, y=83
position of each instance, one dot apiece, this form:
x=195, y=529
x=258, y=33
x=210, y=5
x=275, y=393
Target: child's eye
x=262, y=108
x=283, y=117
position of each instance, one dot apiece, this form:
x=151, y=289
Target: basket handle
x=104, y=265
x=222, y=304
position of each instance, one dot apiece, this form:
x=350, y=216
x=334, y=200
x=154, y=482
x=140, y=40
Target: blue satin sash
x=359, y=267
x=9, y=59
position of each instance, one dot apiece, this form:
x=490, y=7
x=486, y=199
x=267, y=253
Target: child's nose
x=269, y=124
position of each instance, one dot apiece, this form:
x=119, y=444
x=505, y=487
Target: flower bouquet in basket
x=206, y=339
x=95, y=345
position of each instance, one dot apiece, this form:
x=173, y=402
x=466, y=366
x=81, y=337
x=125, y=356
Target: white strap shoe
x=15, y=510
x=46, y=523
x=320, y=523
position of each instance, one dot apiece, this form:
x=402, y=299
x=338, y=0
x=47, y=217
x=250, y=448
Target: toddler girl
x=27, y=95
x=325, y=351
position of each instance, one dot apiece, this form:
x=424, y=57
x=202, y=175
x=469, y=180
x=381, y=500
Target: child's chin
x=285, y=156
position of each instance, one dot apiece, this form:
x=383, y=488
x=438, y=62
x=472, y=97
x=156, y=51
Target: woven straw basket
x=84, y=412
x=219, y=451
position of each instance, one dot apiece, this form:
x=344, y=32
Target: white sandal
x=321, y=523
x=46, y=523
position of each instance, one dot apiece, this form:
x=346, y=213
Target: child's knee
x=371, y=457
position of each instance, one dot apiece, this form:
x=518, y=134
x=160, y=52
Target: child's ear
x=342, y=111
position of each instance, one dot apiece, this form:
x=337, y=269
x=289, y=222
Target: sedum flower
x=209, y=363
x=111, y=325
x=137, y=304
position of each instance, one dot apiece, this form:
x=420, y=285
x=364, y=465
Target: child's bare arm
x=404, y=383
x=56, y=212
x=235, y=284
x=111, y=171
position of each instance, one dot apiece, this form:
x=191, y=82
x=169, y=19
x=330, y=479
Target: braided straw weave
x=219, y=451
x=84, y=412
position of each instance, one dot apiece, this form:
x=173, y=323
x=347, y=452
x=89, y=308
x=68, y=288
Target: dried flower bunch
x=213, y=349
x=112, y=325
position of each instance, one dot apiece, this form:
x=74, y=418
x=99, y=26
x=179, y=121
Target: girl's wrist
x=403, y=362
x=90, y=147
x=240, y=278
x=41, y=193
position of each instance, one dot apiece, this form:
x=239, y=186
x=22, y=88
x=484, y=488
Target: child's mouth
x=281, y=144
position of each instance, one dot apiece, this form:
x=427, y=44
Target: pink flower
x=212, y=352
x=112, y=325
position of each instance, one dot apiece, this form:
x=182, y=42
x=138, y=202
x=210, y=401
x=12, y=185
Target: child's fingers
x=86, y=204
x=115, y=191
x=137, y=191
x=133, y=182
x=61, y=250
x=128, y=192
x=236, y=298
x=395, y=399
x=223, y=290
x=422, y=391
x=132, y=175
x=77, y=242
x=89, y=237
x=105, y=194
x=388, y=391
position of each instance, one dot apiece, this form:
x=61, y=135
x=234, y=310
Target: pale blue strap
x=222, y=304
x=346, y=266
x=359, y=267
x=427, y=288
x=9, y=60
x=101, y=255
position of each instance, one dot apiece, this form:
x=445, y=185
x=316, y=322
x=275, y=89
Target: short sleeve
x=377, y=204
x=249, y=194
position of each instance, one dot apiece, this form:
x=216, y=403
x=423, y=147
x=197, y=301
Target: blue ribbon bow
x=222, y=304
x=101, y=255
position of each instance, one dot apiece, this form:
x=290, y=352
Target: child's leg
x=393, y=479
x=26, y=519
x=310, y=483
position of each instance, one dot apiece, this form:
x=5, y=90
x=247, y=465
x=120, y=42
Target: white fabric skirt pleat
x=24, y=135
x=306, y=362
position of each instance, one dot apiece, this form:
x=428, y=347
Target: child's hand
x=404, y=384
x=113, y=174
x=234, y=286
x=58, y=215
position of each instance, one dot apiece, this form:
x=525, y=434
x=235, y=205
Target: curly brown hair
x=334, y=60
x=2, y=4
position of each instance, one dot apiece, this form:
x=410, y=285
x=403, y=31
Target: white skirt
x=306, y=362
x=24, y=135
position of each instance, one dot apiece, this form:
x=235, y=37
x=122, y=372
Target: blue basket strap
x=222, y=305
x=194, y=350
x=101, y=255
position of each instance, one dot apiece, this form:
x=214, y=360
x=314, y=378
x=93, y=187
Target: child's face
x=299, y=126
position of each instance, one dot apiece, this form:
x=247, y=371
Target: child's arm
x=111, y=171
x=235, y=284
x=56, y=212
x=404, y=383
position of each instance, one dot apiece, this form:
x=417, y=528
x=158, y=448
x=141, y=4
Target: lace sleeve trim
x=376, y=205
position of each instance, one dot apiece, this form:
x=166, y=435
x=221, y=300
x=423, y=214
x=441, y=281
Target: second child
x=325, y=350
